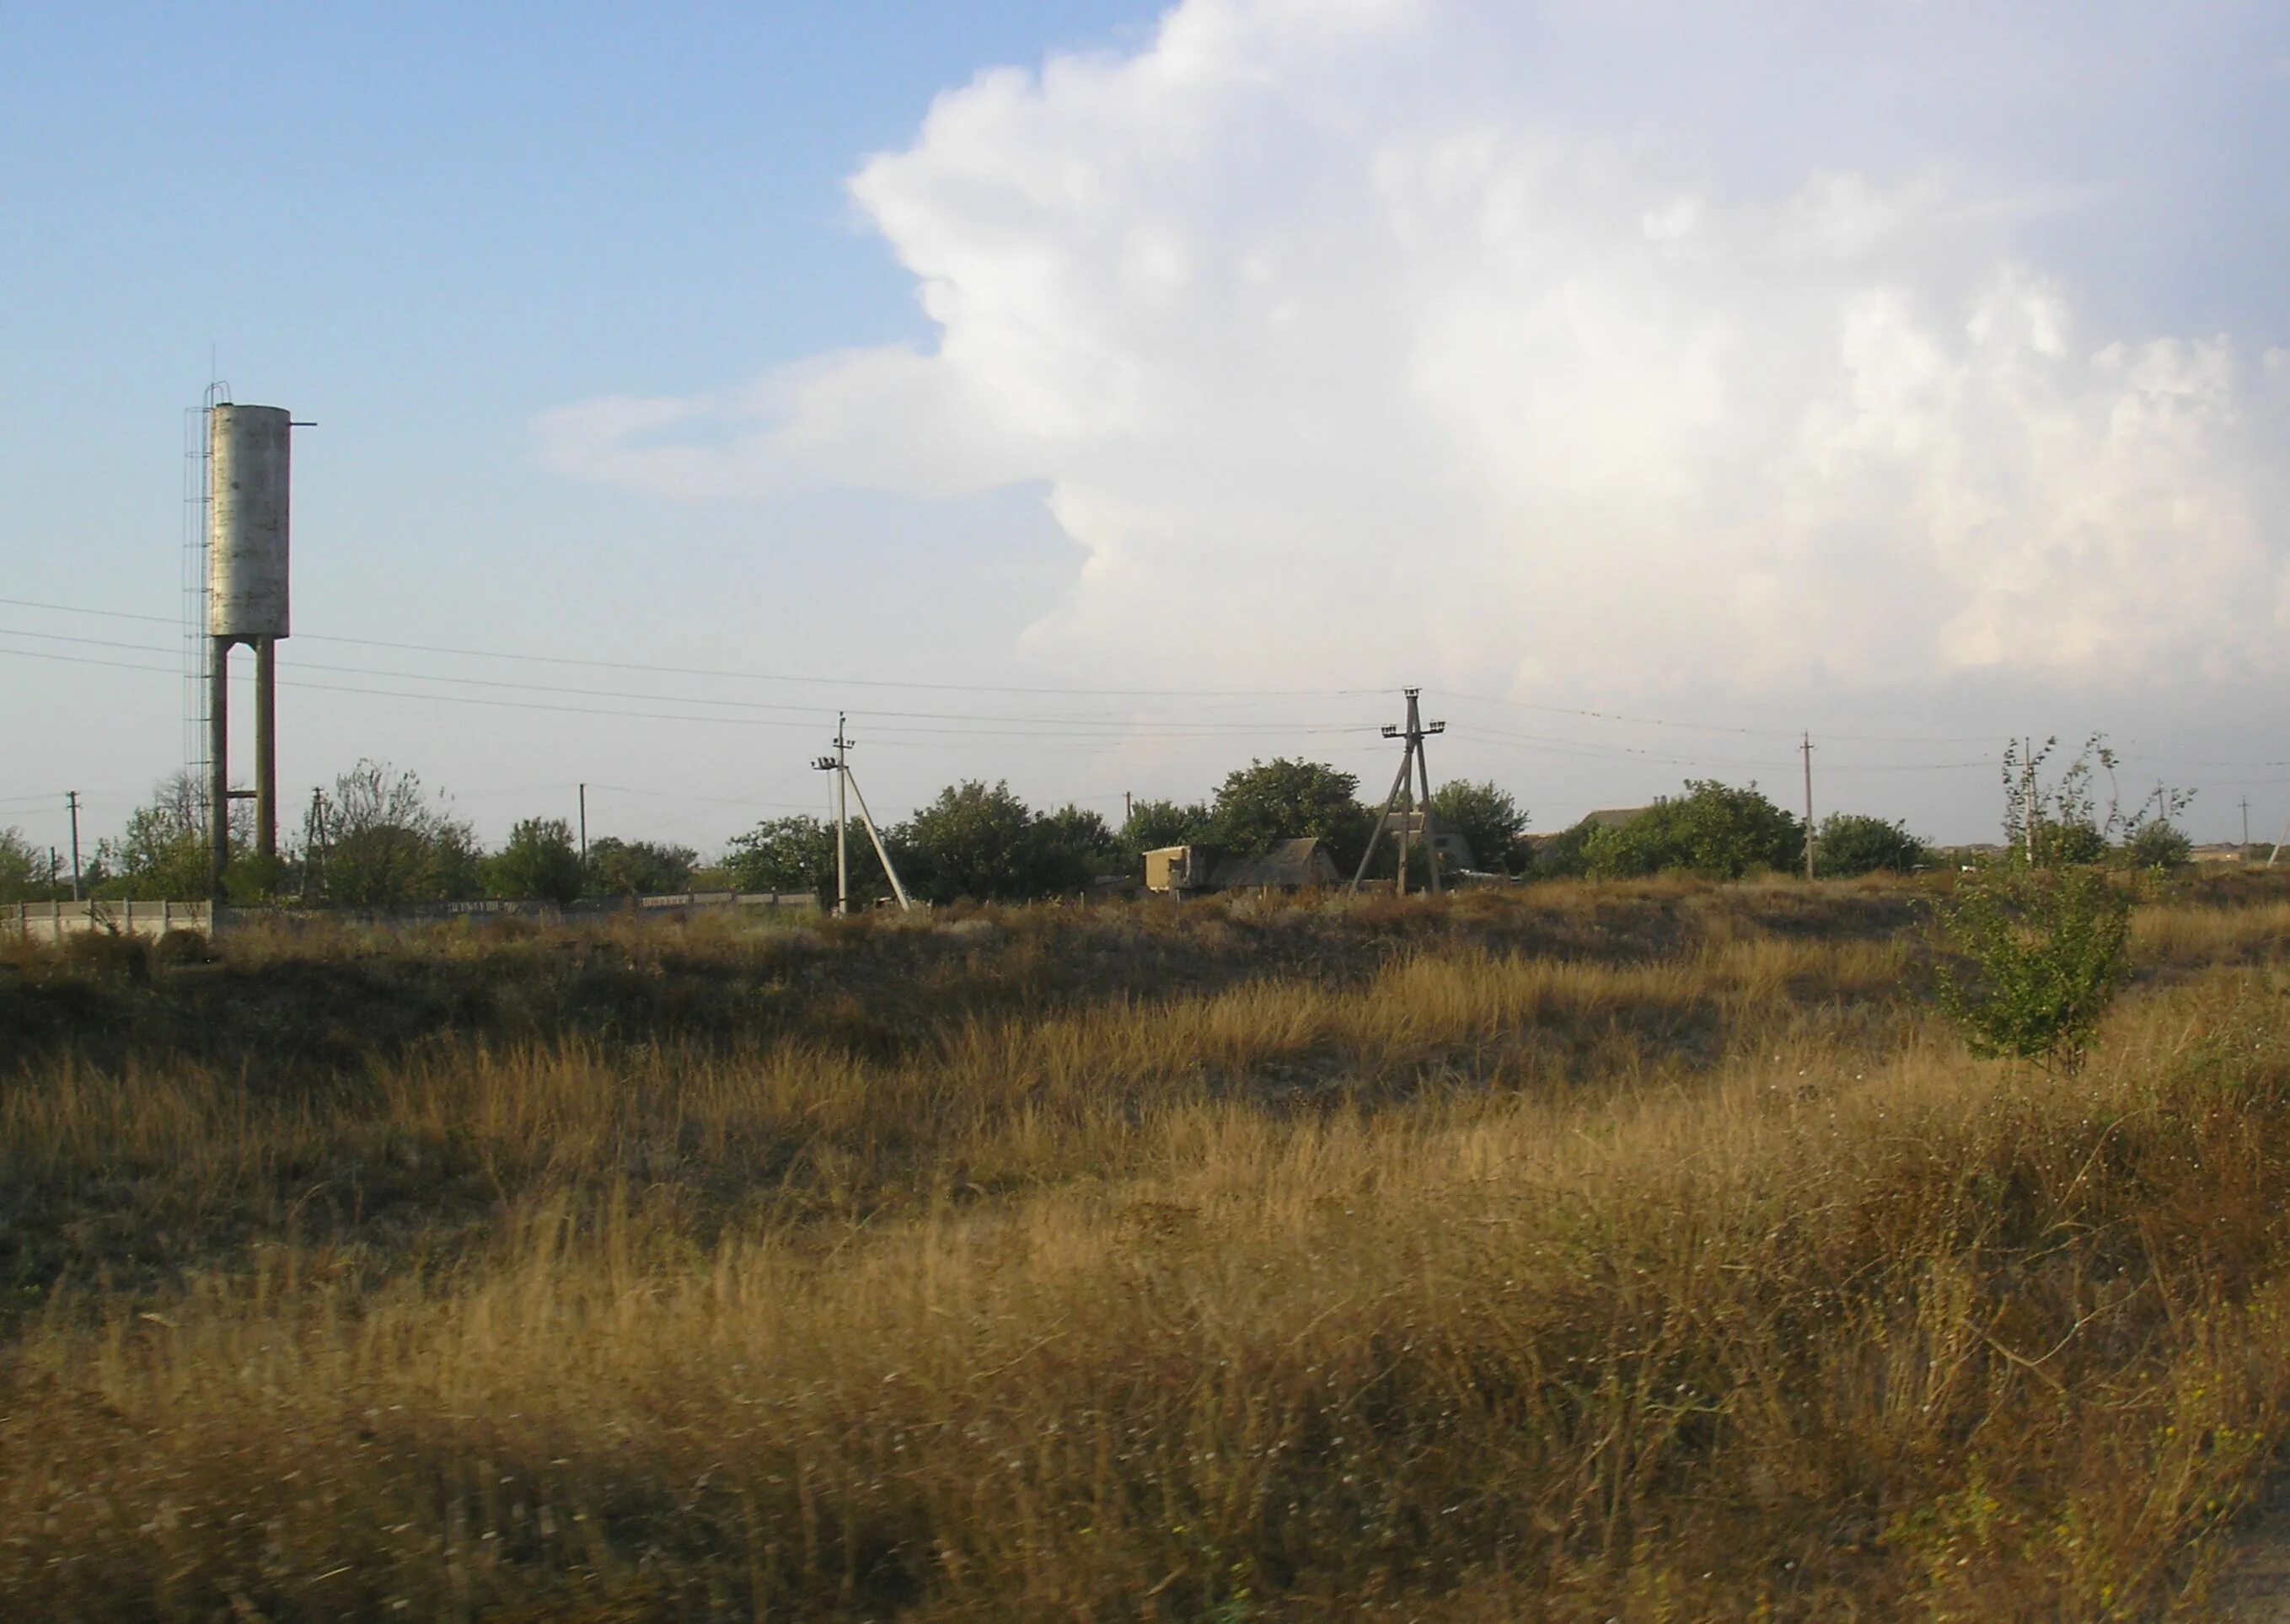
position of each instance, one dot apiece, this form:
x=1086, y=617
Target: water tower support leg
x=218, y=764
x=266, y=747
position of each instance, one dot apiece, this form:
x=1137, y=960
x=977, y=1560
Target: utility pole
x=1415, y=729
x=839, y=764
x=2028, y=793
x=71, y=799
x=313, y=858
x=1807, y=748
x=2246, y=822
x=1128, y=809
x=584, y=835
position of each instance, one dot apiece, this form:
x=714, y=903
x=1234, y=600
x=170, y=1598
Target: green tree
x=2031, y=956
x=540, y=862
x=620, y=867
x=389, y=842
x=977, y=841
x=1850, y=844
x=2158, y=845
x=793, y=853
x=797, y=854
x=1155, y=824
x=1072, y=846
x=23, y=869
x=1714, y=829
x=2052, y=821
x=162, y=854
x=1565, y=855
x=1487, y=818
x=1266, y=802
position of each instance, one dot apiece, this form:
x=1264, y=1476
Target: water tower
x=249, y=454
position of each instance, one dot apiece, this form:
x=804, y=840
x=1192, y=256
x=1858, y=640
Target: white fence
x=54, y=921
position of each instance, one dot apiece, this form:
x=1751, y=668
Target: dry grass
x=1693, y=1273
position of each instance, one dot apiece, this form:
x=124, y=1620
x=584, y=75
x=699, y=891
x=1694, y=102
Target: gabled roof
x=1290, y=862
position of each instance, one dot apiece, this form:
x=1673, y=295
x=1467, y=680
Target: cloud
x=1317, y=351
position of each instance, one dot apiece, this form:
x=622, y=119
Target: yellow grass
x=1711, y=1282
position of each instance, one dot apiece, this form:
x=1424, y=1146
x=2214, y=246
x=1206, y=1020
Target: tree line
x=380, y=837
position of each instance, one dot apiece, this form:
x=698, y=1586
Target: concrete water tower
x=249, y=450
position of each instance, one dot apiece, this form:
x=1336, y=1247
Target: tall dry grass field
x=1589, y=1252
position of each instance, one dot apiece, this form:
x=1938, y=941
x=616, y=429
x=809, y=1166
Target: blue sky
x=1908, y=373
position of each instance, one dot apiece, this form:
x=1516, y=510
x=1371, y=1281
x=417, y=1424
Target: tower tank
x=249, y=449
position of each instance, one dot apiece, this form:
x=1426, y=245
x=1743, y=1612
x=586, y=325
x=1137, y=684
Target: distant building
x=1290, y=865
x=1455, y=851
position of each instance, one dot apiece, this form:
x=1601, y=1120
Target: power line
x=752, y=677
x=1108, y=734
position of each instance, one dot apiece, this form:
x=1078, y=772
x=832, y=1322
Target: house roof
x=1289, y=862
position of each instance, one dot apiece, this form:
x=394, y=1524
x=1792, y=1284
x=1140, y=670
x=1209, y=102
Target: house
x=1453, y=849
x=1290, y=865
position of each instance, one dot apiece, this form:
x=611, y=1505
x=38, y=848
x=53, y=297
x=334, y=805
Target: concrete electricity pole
x=71, y=799
x=1807, y=748
x=1415, y=729
x=839, y=764
x=584, y=837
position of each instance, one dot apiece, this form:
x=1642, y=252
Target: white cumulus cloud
x=1319, y=341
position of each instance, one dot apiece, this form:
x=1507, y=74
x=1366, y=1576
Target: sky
x=1100, y=396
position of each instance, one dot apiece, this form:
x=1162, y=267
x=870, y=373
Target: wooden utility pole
x=1415, y=730
x=1807, y=749
x=71, y=798
x=2246, y=822
x=584, y=837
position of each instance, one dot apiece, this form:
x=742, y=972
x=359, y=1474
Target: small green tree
x=386, y=841
x=540, y=862
x=1565, y=855
x=1489, y=820
x=1072, y=846
x=162, y=854
x=1270, y=801
x=1850, y=844
x=2031, y=957
x=1715, y=830
x=620, y=867
x=977, y=841
x=23, y=869
x=2158, y=845
x=792, y=854
x=2049, y=820
x=1155, y=824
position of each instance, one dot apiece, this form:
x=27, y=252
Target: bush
x=1714, y=830
x=1851, y=843
x=1270, y=801
x=2158, y=845
x=540, y=861
x=1489, y=820
x=2031, y=958
x=640, y=867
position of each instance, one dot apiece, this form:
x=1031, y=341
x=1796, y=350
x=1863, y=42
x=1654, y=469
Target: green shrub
x=1852, y=844
x=2158, y=845
x=1714, y=830
x=2031, y=957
